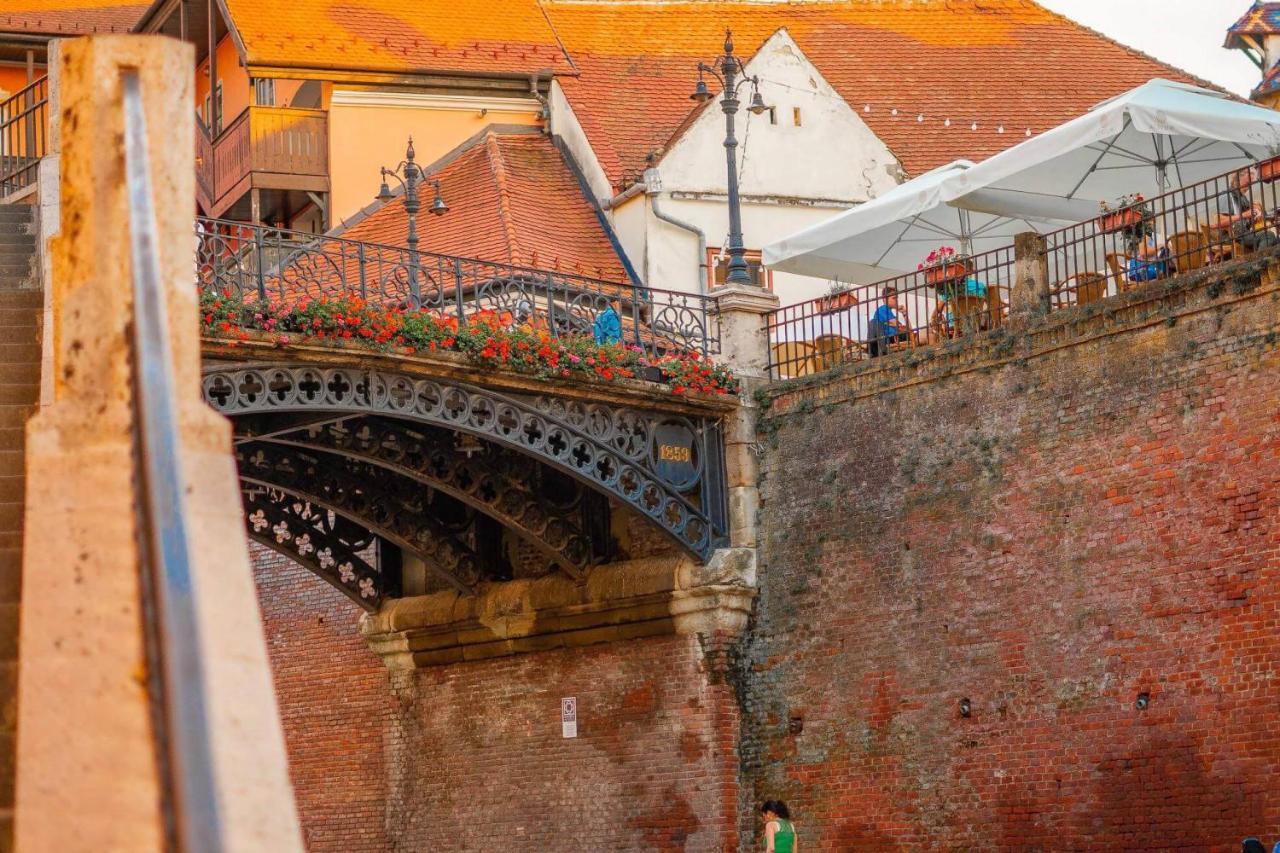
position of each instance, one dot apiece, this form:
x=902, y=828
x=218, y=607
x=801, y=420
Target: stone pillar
x=88, y=753
x=744, y=347
x=1030, y=294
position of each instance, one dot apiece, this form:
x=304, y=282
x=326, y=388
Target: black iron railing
x=284, y=266
x=24, y=136
x=1131, y=242
x=849, y=324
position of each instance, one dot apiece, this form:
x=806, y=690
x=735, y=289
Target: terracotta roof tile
x=1004, y=61
x=510, y=36
x=69, y=17
x=513, y=199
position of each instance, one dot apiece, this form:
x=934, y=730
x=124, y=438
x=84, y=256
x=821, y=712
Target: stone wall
x=1049, y=524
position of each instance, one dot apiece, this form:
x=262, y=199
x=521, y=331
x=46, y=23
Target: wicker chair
x=794, y=358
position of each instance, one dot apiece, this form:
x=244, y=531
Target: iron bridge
x=351, y=469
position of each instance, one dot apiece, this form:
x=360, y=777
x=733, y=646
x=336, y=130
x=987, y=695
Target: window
x=264, y=92
x=213, y=111
x=718, y=269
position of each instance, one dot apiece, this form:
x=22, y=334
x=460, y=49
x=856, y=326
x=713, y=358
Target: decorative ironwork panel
x=493, y=483
x=392, y=507
x=281, y=265
x=315, y=538
x=668, y=467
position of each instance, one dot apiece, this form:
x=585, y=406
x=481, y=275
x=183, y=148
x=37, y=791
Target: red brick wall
x=648, y=770
x=336, y=706
x=470, y=756
x=1049, y=538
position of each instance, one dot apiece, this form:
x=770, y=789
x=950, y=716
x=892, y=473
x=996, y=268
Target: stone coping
x=636, y=598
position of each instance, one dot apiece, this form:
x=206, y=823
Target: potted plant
x=943, y=265
x=837, y=300
x=1269, y=170
x=1128, y=213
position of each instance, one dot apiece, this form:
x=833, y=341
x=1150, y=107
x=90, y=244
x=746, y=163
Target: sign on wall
x=569, y=717
x=674, y=454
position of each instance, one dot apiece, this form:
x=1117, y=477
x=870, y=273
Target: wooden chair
x=794, y=358
x=1117, y=264
x=830, y=350
x=995, y=309
x=1188, y=250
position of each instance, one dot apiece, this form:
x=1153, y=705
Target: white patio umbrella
x=893, y=233
x=1147, y=140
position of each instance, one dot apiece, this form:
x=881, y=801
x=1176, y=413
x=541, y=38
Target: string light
x=895, y=111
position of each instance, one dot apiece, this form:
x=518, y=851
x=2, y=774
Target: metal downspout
x=692, y=229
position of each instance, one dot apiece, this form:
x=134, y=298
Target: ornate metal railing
x=24, y=136
x=279, y=265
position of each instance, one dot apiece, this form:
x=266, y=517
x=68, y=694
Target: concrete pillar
x=744, y=347
x=88, y=753
x=1030, y=294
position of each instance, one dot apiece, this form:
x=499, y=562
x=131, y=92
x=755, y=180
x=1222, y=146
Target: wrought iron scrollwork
x=498, y=487
x=393, y=508
x=612, y=449
x=316, y=539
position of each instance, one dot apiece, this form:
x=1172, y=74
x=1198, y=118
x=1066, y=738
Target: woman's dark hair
x=778, y=807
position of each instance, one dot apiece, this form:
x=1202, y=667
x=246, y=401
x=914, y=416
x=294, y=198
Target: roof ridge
x=499, y=171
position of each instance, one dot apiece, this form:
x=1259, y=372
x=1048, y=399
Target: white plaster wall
x=565, y=125
x=629, y=222
x=831, y=155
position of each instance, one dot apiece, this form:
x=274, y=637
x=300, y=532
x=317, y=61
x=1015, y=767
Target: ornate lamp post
x=409, y=174
x=729, y=71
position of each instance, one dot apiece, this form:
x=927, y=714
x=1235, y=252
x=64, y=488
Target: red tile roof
x=512, y=198
x=399, y=36
x=68, y=17
x=1007, y=62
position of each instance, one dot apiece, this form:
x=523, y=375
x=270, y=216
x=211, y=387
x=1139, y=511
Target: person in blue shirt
x=607, y=328
x=888, y=324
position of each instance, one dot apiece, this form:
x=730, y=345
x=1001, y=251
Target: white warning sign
x=569, y=717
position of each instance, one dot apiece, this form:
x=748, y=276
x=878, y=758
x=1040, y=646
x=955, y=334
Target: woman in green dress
x=779, y=831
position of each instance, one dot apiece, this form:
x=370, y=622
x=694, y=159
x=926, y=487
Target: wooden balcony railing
x=261, y=142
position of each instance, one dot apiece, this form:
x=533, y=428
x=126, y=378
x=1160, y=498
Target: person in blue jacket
x=607, y=328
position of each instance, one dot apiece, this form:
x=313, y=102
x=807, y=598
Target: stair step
x=14, y=417
x=10, y=574
x=14, y=228
x=10, y=522
x=31, y=300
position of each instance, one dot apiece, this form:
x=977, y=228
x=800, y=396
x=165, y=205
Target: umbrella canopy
x=894, y=232
x=1148, y=140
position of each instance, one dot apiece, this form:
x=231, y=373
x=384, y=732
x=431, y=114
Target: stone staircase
x=21, y=301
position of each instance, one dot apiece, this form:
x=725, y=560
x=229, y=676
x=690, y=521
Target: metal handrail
x=174, y=647
x=24, y=135
x=278, y=265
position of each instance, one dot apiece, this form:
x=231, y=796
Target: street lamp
x=731, y=75
x=409, y=174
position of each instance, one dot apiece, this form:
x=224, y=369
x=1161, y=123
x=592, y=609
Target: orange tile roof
x=1001, y=61
x=399, y=36
x=68, y=17
x=513, y=199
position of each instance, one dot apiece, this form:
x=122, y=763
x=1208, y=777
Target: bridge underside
x=386, y=484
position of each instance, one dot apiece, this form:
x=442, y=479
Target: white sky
x=1184, y=33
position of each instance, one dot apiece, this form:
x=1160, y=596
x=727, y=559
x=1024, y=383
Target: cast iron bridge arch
x=334, y=458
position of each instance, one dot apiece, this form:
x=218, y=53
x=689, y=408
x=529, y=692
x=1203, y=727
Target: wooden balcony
x=264, y=148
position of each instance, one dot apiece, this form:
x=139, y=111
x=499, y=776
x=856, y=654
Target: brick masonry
x=1047, y=523
x=1048, y=526
x=470, y=756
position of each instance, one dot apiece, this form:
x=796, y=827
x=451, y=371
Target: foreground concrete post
x=88, y=754
x=1030, y=295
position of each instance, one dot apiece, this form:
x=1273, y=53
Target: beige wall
x=369, y=129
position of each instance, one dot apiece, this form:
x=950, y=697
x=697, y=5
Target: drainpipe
x=651, y=185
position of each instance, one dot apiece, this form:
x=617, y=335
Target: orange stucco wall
x=363, y=138
x=235, y=84
x=14, y=77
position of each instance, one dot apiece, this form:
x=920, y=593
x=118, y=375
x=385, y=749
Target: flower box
x=1269, y=170
x=835, y=302
x=942, y=273
x=1119, y=220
